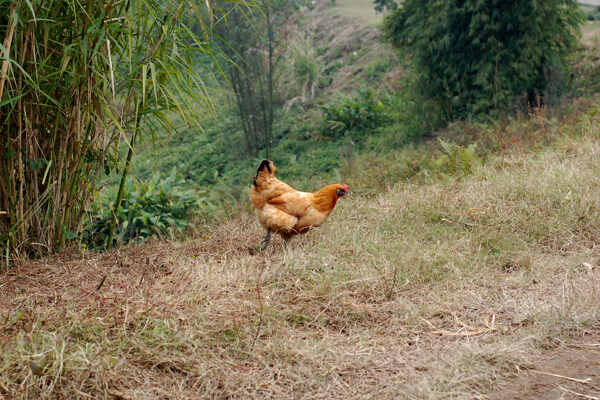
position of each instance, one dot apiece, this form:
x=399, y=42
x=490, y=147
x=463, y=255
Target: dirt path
x=579, y=362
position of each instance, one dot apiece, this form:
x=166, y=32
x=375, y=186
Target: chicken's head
x=342, y=190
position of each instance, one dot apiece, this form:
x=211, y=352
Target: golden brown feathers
x=284, y=210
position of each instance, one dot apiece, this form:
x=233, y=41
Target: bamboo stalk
x=113, y=223
x=75, y=181
x=20, y=180
x=7, y=44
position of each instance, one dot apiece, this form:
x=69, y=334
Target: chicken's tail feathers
x=265, y=168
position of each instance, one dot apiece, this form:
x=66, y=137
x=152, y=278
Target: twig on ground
x=586, y=380
x=578, y=394
x=101, y=283
x=465, y=329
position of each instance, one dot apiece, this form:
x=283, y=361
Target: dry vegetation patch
x=440, y=290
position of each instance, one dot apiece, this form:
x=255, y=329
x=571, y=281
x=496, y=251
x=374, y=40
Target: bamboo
x=20, y=180
x=66, y=103
x=7, y=44
x=113, y=222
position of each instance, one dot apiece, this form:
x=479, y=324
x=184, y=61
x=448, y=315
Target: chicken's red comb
x=346, y=187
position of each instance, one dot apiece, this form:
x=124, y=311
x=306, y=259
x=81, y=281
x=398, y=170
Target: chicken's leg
x=267, y=239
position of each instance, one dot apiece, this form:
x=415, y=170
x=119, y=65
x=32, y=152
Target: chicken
x=286, y=211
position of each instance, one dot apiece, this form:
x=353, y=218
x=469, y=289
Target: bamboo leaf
x=144, y=83
x=154, y=81
x=9, y=154
x=65, y=62
x=32, y=11
x=12, y=99
x=46, y=172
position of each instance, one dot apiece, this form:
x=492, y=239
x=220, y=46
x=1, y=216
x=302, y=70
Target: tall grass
x=76, y=78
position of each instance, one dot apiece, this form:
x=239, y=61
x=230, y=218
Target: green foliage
x=360, y=115
x=593, y=14
x=385, y=5
x=475, y=56
x=202, y=157
x=378, y=68
x=459, y=159
x=158, y=206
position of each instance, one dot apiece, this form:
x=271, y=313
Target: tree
x=472, y=56
x=385, y=5
x=255, y=43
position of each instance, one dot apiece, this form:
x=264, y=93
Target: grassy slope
x=424, y=291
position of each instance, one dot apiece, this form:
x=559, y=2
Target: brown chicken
x=286, y=211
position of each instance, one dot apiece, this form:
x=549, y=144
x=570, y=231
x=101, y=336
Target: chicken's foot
x=267, y=239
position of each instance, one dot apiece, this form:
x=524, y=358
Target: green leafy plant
x=362, y=114
x=159, y=206
x=459, y=159
x=377, y=69
x=306, y=70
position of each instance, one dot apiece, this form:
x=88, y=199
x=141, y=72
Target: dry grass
x=357, y=10
x=440, y=290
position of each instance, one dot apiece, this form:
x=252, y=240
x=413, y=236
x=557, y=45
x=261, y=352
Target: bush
x=594, y=14
x=155, y=207
x=473, y=56
x=361, y=115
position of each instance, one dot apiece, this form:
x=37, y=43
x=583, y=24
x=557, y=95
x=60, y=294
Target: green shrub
x=593, y=14
x=158, y=206
x=306, y=71
x=362, y=114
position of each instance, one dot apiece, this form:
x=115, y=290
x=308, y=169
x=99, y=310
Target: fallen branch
x=479, y=331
